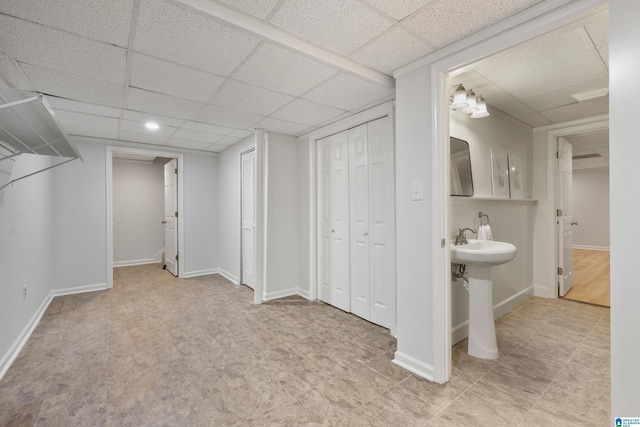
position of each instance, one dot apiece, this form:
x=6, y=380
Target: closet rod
x=37, y=172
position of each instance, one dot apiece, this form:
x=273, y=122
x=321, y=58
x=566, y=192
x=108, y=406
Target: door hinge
x=177, y=257
x=560, y=271
x=176, y=214
x=442, y=243
x=175, y=171
x=559, y=212
x=558, y=154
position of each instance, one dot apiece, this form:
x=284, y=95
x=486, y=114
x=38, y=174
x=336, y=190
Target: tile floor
x=156, y=350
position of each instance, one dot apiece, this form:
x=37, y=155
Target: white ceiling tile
x=596, y=138
x=104, y=20
x=194, y=135
x=550, y=76
x=226, y=117
x=598, y=31
x=392, y=50
x=192, y=145
x=80, y=88
x=240, y=96
x=338, y=25
x=398, y=10
x=282, y=70
x=229, y=140
x=307, y=112
x=139, y=127
x=563, y=96
x=142, y=138
x=164, y=105
x=12, y=77
x=88, y=125
x=347, y=92
x=258, y=8
x=172, y=79
x=550, y=49
x=203, y=127
x=442, y=22
x=578, y=110
x=140, y=116
x=280, y=126
x=239, y=133
x=181, y=36
x=82, y=107
x=535, y=120
x=216, y=148
x=515, y=108
x=51, y=48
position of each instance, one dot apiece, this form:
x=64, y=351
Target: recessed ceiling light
x=152, y=126
x=585, y=96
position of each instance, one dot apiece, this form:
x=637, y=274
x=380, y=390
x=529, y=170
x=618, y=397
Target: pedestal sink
x=480, y=256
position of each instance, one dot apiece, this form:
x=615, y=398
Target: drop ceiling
x=209, y=72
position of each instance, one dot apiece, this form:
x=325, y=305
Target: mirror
x=461, y=180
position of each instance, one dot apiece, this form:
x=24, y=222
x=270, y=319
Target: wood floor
x=591, y=277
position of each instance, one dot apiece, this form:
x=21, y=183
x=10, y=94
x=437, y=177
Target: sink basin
x=482, y=252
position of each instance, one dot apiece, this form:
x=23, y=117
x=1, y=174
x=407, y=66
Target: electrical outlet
x=24, y=292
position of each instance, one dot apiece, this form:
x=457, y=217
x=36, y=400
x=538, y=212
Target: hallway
x=158, y=349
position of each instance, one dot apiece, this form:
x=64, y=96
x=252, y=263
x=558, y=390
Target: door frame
x=377, y=112
x=552, y=230
x=538, y=20
x=110, y=150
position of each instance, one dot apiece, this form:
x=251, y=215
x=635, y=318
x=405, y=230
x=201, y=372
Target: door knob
x=574, y=222
x=164, y=222
x=366, y=233
x=333, y=230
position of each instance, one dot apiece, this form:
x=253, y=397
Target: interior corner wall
x=591, y=209
x=282, y=216
x=26, y=247
x=79, y=212
x=138, y=212
x=414, y=237
x=229, y=221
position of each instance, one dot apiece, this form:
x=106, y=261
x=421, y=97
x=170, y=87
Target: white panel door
x=324, y=220
x=171, y=256
x=381, y=223
x=248, y=213
x=565, y=221
x=340, y=250
x=359, y=214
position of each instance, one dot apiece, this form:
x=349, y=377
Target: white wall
x=26, y=248
x=138, y=211
x=282, y=213
x=229, y=224
x=624, y=86
x=80, y=217
x=591, y=208
x=511, y=221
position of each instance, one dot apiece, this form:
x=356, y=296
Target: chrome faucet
x=461, y=238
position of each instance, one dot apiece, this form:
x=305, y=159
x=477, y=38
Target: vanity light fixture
x=467, y=102
x=152, y=126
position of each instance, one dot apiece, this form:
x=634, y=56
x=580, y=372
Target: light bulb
x=459, y=98
x=482, y=109
x=471, y=100
x=152, y=126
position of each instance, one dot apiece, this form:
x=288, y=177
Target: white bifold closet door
x=248, y=209
x=368, y=264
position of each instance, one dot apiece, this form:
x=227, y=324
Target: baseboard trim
x=592, y=248
x=280, y=294
x=414, y=365
x=79, y=290
x=198, y=273
x=543, y=292
x=22, y=339
x=230, y=277
x=304, y=293
x=132, y=262
x=461, y=331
